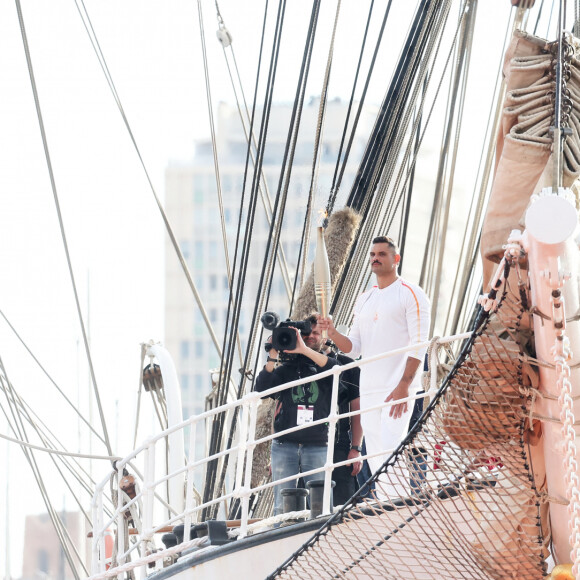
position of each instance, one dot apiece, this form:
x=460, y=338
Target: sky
x=113, y=229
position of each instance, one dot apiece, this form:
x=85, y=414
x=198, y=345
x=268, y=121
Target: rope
x=139, y=392
x=251, y=140
x=235, y=300
x=387, y=139
x=458, y=93
x=393, y=158
x=571, y=478
x=58, y=451
x=287, y=164
x=61, y=224
x=544, y=497
x=336, y=181
x=67, y=400
x=469, y=248
x=302, y=255
x=17, y=426
x=21, y=409
x=213, y=145
x=93, y=39
x=267, y=523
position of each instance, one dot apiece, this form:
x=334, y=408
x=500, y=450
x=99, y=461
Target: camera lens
x=284, y=338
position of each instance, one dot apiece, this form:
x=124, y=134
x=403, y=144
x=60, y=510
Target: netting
x=459, y=498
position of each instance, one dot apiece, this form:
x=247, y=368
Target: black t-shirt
x=316, y=394
x=349, y=391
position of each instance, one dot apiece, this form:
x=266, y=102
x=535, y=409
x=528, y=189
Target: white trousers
x=383, y=434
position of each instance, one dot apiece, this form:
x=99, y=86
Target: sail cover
x=524, y=141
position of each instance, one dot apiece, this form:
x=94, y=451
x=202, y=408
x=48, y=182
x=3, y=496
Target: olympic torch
x=322, y=282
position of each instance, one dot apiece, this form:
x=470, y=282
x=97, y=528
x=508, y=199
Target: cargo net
x=461, y=499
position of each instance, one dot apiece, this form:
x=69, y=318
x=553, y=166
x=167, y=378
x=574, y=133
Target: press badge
x=305, y=415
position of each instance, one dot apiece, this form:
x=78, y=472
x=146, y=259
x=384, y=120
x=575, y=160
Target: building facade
x=194, y=212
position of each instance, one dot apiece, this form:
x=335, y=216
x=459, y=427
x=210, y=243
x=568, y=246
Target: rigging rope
x=304, y=243
x=377, y=148
x=337, y=178
x=279, y=207
x=215, y=155
x=61, y=224
x=51, y=443
x=93, y=39
x=470, y=247
x=459, y=88
x=263, y=184
x=18, y=427
x=422, y=47
x=22, y=409
x=234, y=302
x=63, y=395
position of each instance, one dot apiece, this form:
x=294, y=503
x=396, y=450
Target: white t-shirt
x=387, y=319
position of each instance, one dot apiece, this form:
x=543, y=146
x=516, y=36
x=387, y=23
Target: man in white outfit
x=389, y=316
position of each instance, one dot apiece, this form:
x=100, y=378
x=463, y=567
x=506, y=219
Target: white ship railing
x=149, y=498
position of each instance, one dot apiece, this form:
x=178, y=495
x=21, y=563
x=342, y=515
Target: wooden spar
x=552, y=224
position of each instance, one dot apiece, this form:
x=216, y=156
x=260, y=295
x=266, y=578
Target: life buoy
x=109, y=542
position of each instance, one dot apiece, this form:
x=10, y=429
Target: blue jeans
x=290, y=458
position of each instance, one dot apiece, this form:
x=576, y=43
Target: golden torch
x=322, y=284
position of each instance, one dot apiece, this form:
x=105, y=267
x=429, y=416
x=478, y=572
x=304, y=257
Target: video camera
x=283, y=335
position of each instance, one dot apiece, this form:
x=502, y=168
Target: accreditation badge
x=305, y=415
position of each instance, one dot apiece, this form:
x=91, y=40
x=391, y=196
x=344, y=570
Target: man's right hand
x=341, y=341
x=328, y=325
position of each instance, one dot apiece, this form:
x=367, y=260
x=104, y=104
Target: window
x=213, y=217
x=184, y=246
x=213, y=315
x=199, y=348
x=184, y=380
x=199, y=216
x=184, y=349
x=199, y=385
x=299, y=219
x=199, y=261
x=199, y=186
x=227, y=183
x=43, y=561
x=213, y=250
x=213, y=282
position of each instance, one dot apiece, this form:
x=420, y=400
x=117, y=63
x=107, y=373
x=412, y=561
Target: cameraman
x=303, y=450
